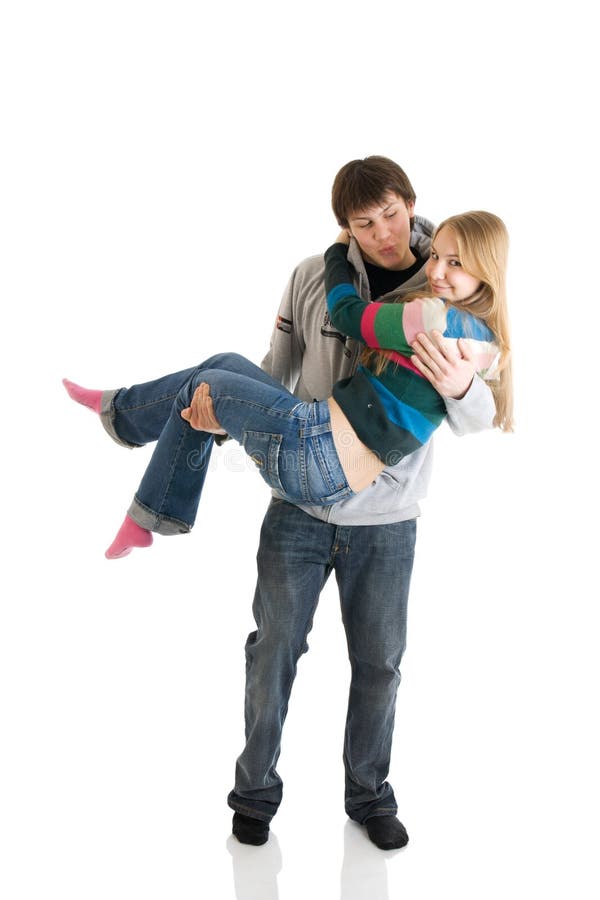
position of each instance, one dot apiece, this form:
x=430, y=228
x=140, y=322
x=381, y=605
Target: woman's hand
x=200, y=414
x=450, y=372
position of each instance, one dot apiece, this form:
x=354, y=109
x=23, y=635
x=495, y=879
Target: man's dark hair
x=364, y=182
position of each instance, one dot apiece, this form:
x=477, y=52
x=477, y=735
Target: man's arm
x=284, y=357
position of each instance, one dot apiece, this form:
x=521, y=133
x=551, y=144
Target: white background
x=164, y=167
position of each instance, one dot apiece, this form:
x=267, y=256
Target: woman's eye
x=455, y=263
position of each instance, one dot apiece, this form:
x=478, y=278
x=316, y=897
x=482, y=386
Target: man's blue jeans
x=373, y=566
x=297, y=553
x=290, y=441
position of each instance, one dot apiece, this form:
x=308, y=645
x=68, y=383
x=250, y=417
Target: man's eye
x=391, y=215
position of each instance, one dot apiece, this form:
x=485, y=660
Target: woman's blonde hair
x=482, y=241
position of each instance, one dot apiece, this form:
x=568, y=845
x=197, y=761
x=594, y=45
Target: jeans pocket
x=326, y=482
x=263, y=449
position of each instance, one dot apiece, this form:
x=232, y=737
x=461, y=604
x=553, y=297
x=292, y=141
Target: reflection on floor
x=363, y=873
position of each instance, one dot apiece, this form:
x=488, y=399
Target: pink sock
x=91, y=399
x=129, y=535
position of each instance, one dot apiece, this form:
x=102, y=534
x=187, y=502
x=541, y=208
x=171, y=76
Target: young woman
x=323, y=451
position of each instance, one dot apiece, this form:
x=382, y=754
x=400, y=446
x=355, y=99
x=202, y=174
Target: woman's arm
x=396, y=326
x=389, y=326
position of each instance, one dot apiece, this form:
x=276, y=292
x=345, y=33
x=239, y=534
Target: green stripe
x=421, y=394
x=389, y=328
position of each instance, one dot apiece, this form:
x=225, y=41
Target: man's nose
x=382, y=230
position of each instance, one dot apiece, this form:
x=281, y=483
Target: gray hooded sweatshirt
x=308, y=356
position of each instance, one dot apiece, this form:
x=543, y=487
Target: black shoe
x=250, y=831
x=387, y=832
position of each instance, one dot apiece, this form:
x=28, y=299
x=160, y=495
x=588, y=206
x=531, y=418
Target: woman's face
x=446, y=275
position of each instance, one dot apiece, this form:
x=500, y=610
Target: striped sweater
x=396, y=412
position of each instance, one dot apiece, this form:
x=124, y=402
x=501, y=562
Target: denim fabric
x=290, y=441
x=373, y=566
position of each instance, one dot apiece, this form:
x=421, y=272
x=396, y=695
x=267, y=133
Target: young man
x=367, y=540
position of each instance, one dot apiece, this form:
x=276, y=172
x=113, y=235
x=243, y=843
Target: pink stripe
x=412, y=320
x=367, y=324
x=402, y=361
x=484, y=360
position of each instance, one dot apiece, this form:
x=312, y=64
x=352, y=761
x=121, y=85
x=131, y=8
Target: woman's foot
x=85, y=396
x=129, y=535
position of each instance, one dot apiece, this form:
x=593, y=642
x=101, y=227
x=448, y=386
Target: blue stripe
x=401, y=414
x=338, y=293
x=463, y=324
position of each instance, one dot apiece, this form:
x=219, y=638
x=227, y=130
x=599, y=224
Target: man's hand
x=200, y=414
x=450, y=373
x=343, y=237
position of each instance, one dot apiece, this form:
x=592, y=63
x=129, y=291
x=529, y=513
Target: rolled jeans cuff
x=107, y=417
x=151, y=521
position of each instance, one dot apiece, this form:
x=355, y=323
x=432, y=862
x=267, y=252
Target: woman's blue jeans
x=290, y=441
x=373, y=566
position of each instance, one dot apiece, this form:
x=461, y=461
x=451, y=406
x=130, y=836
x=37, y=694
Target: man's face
x=383, y=232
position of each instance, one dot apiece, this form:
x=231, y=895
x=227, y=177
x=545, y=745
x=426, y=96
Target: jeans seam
x=325, y=467
x=154, y=402
x=275, y=413
x=159, y=511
